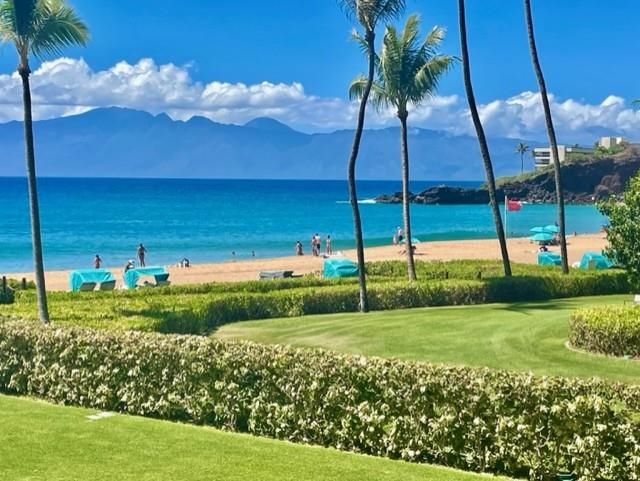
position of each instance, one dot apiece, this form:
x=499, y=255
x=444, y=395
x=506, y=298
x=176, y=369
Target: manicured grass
x=39, y=441
x=518, y=336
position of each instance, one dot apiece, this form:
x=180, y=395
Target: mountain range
x=116, y=142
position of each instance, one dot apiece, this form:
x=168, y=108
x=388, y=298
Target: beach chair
x=87, y=286
x=264, y=275
x=162, y=279
x=107, y=285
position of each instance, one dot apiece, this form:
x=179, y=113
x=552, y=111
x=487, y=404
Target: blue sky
x=232, y=61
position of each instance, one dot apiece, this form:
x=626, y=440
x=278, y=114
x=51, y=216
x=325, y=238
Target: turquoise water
x=207, y=220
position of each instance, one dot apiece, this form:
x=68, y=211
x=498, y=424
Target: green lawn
x=39, y=441
x=519, y=336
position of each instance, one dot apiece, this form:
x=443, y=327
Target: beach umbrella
x=552, y=228
x=539, y=229
x=542, y=237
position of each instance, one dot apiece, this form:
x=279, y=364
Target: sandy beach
x=520, y=250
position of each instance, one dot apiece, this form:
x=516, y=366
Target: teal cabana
x=339, y=268
x=132, y=276
x=549, y=259
x=595, y=260
x=87, y=279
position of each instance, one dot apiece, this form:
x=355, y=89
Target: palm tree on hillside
x=37, y=27
x=408, y=72
x=553, y=143
x=522, y=149
x=482, y=140
x=368, y=14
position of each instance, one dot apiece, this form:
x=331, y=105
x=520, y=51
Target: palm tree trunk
x=553, y=143
x=482, y=140
x=353, y=196
x=521, y=163
x=34, y=209
x=404, y=152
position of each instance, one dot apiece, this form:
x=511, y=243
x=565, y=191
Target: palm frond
x=377, y=96
x=24, y=12
x=389, y=10
x=369, y=13
x=428, y=77
x=361, y=41
x=7, y=22
x=408, y=70
x=356, y=89
x=56, y=26
x=411, y=31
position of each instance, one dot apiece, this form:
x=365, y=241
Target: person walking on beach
x=299, y=248
x=329, y=250
x=314, y=247
x=97, y=262
x=141, y=252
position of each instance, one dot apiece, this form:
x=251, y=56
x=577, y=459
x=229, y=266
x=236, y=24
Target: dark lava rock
x=584, y=181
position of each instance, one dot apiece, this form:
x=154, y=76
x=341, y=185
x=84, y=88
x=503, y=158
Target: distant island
x=585, y=181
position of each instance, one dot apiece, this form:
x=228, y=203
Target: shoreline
x=521, y=250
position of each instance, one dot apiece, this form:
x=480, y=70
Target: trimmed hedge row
x=474, y=419
x=214, y=312
x=613, y=330
x=457, y=269
x=177, y=312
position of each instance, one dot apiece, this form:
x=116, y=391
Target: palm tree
x=522, y=149
x=408, y=72
x=482, y=140
x=37, y=27
x=368, y=13
x=550, y=132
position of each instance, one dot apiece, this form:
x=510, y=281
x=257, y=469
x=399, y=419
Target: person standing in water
x=97, y=262
x=141, y=252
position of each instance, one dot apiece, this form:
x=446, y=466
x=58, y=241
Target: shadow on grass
x=529, y=307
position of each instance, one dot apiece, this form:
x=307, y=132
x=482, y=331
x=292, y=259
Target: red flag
x=513, y=205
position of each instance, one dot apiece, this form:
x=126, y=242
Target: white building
x=542, y=155
x=608, y=142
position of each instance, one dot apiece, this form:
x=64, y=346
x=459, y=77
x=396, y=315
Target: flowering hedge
x=611, y=330
x=474, y=419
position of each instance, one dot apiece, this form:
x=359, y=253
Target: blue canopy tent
x=595, y=260
x=132, y=275
x=549, y=259
x=88, y=276
x=339, y=268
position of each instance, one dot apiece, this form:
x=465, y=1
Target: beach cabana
x=595, y=260
x=86, y=279
x=339, y=268
x=131, y=277
x=549, y=259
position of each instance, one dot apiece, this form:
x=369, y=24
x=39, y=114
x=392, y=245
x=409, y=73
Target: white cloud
x=69, y=86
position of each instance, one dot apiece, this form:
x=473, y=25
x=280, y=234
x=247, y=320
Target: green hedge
x=474, y=419
x=178, y=311
x=613, y=330
x=458, y=269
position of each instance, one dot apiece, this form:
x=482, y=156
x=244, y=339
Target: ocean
x=218, y=220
